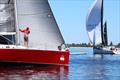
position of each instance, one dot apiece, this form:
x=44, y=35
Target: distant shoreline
x=81, y=47
x=88, y=45
x=85, y=47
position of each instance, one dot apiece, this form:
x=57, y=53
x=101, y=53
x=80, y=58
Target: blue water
x=89, y=67
x=82, y=66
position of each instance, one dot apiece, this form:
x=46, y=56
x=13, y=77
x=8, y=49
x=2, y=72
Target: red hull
x=35, y=56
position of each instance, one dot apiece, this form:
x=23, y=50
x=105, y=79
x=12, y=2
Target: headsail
x=93, y=23
x=44, y=31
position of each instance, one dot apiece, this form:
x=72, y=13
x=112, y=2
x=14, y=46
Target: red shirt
x=26, y=31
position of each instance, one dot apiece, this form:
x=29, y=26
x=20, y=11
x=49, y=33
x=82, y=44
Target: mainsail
x=93, y=23
x=105, y=34
x=44, y=31
x=7, y=22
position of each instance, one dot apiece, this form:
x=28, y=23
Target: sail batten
x=93, y=23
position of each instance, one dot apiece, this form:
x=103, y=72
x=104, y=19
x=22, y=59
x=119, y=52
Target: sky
x=71, y=18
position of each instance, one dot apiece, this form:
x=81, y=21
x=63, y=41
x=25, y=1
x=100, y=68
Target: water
x=88, y=67
x=33, y=73
x=82, y=66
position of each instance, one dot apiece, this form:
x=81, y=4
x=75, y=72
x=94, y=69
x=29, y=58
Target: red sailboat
x=44, y=44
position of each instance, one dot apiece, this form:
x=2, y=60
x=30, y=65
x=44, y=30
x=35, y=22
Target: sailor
x=26, y=33
x=62, y=47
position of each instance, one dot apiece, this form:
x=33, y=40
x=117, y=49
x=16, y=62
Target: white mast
x=16, y=23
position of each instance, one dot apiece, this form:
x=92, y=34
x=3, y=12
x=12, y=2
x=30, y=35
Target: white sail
x=44, y=31
x=93, y=23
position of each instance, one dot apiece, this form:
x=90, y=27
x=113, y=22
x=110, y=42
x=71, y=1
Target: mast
x=16, y=23
x=102, y=36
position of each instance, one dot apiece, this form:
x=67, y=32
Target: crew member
x=26, y=33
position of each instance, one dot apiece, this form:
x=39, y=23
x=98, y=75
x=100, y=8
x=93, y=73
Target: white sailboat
x=97, y=32
x=46, y=44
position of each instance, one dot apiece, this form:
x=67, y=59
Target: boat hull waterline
x=35, y=56
x=102, y=51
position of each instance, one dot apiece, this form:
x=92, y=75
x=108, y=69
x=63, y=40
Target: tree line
x=88, y=45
